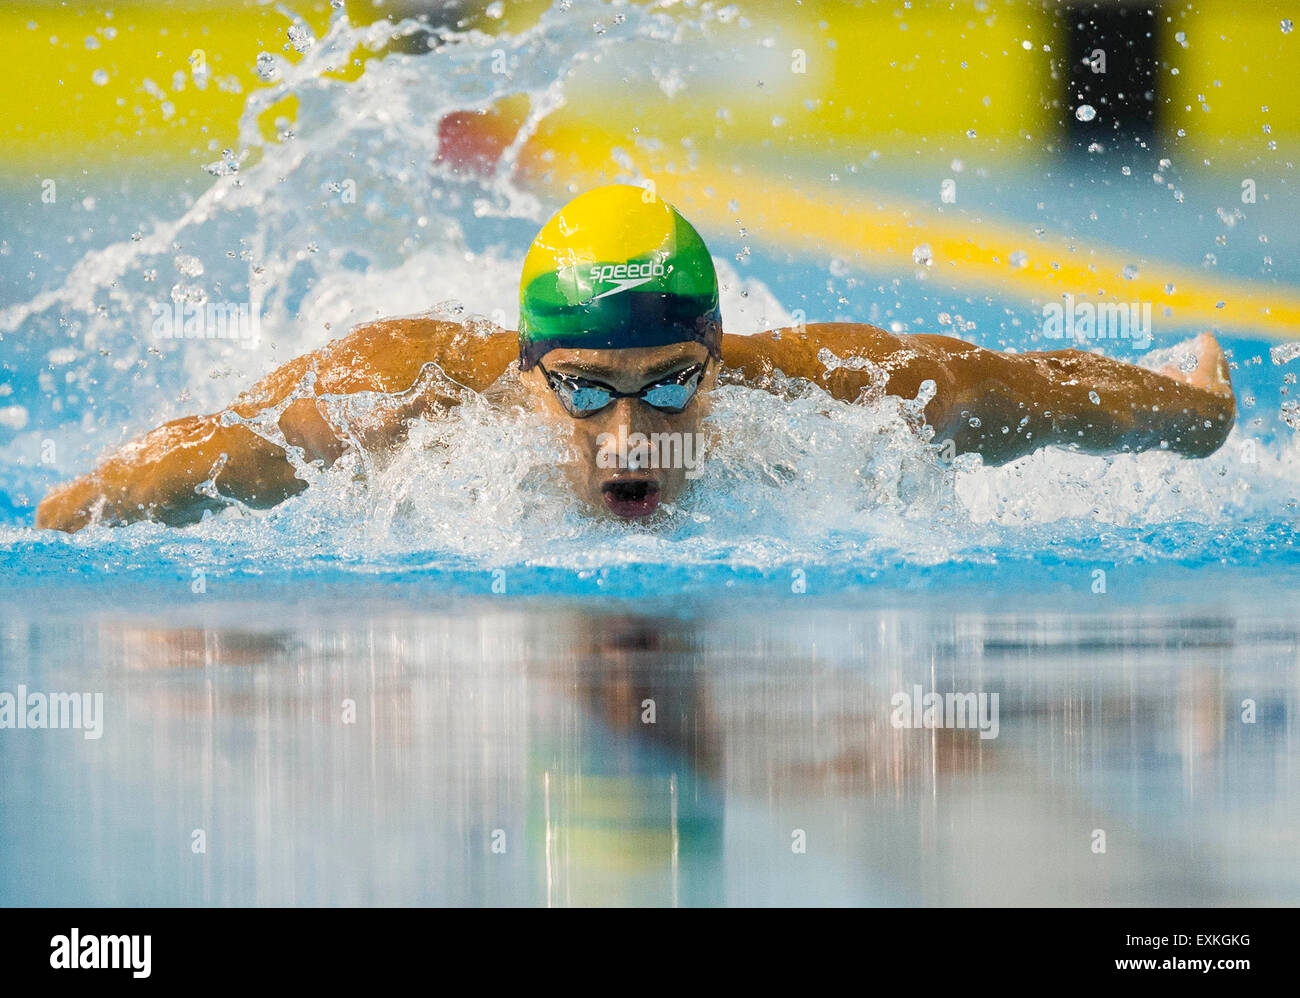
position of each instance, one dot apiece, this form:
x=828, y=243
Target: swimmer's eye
x=581, y=397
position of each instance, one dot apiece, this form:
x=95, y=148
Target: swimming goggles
x=581, y=397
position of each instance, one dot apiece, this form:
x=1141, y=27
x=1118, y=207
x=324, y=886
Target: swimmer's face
x=629, y=455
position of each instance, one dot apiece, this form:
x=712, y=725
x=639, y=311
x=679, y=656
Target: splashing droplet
x=190, y=266
x=1284, y=353
x=266, y=67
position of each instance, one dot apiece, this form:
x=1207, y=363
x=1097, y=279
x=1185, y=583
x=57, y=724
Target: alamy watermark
x=641, y=451
x=82, y=712
x=76, y=951
x=1085, y=320
x=919, y=709
x=179, y=320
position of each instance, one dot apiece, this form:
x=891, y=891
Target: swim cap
x=613, y=270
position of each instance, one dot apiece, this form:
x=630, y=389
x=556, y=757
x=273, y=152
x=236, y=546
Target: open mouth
x=631, y=498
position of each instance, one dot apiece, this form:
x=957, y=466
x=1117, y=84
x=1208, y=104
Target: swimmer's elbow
x=62, y=509
x=46, y=517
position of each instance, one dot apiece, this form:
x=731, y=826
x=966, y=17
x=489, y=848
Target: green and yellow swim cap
x=617, y=267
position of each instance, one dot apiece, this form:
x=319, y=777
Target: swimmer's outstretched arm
x=155, y=476
x=1003, y=405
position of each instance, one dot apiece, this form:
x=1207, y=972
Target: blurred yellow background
x=158, y=90
x=120, y=83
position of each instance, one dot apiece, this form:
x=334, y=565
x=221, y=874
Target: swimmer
x=619, y=328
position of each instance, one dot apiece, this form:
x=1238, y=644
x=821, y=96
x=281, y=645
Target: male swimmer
x=619, y=327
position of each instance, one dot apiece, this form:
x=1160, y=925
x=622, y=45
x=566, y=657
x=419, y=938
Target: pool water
x=500, y=753
x=439, y=681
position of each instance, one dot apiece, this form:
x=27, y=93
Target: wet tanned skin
x=1041, y=398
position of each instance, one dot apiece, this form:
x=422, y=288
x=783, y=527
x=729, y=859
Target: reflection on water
x=537, y=754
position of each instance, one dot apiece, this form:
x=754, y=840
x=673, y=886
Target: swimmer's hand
x=1198, y=362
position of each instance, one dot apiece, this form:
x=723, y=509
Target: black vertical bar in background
x=1124, y=96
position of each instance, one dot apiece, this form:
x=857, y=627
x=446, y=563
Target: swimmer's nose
x=628, y=412
x=638, y=458
x=624, y=411
x=620, y=446
x=607, y=452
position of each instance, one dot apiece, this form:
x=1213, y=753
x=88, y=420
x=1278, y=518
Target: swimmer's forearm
x=1003, y=406
x=1041, y=398
x=156, y=478
x=160, y=475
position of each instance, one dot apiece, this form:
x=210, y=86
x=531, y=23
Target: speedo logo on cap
x=624, y=276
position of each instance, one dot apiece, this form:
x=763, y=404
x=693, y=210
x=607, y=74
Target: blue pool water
x=499, y=645
x=500, y=755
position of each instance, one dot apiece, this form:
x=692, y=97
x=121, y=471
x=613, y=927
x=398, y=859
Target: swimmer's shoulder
x=389, y=354
x=796, y=350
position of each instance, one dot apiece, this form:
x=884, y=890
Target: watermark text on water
x=37, y=711
x=919, y=709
